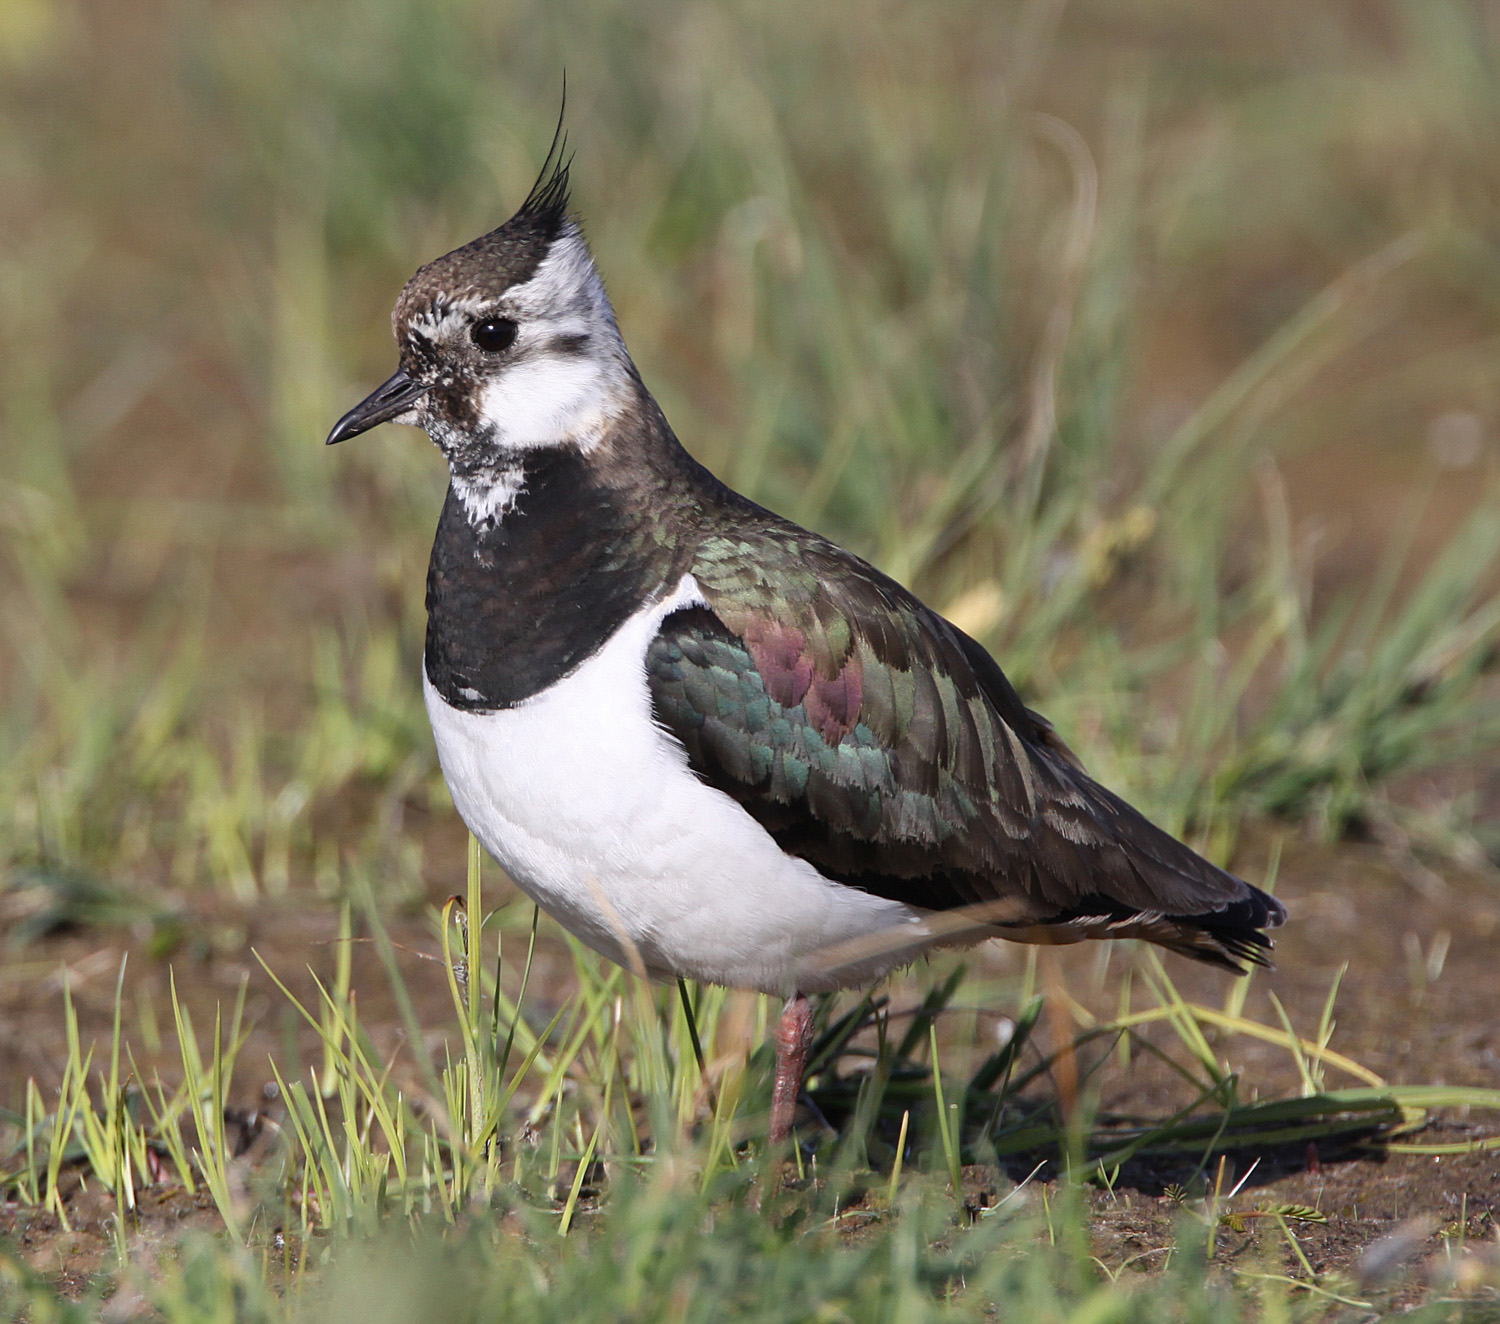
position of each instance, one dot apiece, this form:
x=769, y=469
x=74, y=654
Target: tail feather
x=1230, y=938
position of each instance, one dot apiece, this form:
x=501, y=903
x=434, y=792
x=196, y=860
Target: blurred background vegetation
x=1154, y=340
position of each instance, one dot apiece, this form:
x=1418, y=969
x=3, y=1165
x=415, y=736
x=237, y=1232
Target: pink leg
x=793, y=1039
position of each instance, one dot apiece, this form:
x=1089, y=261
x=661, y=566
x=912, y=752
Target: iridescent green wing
x=877, y=741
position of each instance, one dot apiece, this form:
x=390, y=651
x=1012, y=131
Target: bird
x=710, y=743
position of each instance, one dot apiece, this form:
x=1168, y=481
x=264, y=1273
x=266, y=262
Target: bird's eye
x=493, y=334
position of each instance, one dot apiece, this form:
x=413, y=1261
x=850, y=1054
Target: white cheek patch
x=552, y=399
x=553, y=396
x=564, y=383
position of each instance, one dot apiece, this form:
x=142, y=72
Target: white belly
x=592, y=810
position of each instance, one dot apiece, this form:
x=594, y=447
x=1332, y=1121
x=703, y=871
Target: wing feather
x=876, y=740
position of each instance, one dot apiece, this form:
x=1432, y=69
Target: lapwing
x=710, y=743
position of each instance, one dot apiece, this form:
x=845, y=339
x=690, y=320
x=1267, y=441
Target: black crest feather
x=509, y=255
x=546, y=206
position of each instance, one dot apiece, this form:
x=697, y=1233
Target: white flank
x=592, y=810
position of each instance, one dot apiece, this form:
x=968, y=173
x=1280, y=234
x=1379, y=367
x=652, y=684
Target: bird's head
x=507, y=345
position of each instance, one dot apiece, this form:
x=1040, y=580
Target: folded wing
x=877, y=741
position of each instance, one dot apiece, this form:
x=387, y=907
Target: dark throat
x=516, y=604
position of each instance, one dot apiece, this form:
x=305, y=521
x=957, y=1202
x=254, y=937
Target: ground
x=1414, y=1005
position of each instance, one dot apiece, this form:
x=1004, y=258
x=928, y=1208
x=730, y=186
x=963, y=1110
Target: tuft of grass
x=620, y=1131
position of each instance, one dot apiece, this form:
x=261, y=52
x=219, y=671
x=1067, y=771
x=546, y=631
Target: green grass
x=595, y=1161
x=1064, y=316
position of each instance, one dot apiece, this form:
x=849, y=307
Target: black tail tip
x=1233, y=938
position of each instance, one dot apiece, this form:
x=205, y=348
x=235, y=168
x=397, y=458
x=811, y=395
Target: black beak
x=394, y=396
